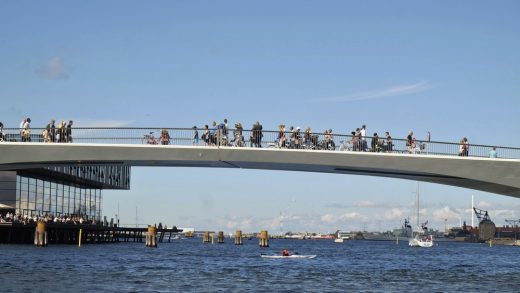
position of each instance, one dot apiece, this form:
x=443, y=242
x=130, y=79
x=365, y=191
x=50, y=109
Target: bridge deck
x=491, y=175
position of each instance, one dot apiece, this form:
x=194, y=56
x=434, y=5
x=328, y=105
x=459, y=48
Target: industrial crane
x=482, y=215
x=486, y=227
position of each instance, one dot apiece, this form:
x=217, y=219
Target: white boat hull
x=419, y=242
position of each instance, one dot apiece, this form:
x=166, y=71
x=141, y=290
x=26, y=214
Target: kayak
x=294, y=256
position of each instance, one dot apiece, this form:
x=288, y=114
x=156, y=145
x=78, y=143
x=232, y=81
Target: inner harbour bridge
x=427, y=161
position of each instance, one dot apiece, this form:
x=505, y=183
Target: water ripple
x=191, y=266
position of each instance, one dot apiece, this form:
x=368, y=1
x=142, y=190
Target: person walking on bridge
x=2, y=137
x=256, y=136
x=61, y=131
x=26, y=130
x=493, y=153
x=51, y=131
x=464, y=147
x=409, y=141
x=68, y=133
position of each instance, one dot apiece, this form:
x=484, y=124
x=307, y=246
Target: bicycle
x=149, y=139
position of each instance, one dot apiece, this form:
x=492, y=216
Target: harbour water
x=189, y=265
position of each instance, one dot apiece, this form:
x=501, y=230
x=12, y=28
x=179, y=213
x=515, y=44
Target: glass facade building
x=61, y=190
x=41, y=197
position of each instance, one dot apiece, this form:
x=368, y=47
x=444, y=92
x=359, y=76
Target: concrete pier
x=220, y=237
x=57, y=233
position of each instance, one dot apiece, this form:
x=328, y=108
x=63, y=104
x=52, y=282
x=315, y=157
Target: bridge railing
x=247, y=138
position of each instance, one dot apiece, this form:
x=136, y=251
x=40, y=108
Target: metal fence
x=253, y=139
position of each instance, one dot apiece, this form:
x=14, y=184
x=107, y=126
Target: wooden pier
x=17, y=233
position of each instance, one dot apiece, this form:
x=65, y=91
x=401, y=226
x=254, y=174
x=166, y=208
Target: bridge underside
x=490, y=175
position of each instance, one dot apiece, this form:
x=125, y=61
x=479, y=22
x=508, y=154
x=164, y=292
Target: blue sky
x=451, y=68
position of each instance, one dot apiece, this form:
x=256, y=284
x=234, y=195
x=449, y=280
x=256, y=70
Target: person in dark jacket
x=68, y=133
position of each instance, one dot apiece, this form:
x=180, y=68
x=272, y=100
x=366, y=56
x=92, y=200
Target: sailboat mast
x=472, y=216
x=417, y=204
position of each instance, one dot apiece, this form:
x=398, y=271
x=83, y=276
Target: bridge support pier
x=220, y=237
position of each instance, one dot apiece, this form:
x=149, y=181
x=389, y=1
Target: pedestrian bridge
x=500, y=176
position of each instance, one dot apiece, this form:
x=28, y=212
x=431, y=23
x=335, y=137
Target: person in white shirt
x=26, y=131
x=363, y=132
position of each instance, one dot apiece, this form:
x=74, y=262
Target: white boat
x=342, y=236
x=422, y=238
x=421, y=241
x=293, y=256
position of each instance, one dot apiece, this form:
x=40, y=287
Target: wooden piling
x=220, y=237
x=206, y=237
x=151, y=237
x=40, y=235
x=79, y=238
x=264, y=239
x=238, y=237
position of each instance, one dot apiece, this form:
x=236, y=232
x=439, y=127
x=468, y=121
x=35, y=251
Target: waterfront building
x=61, y=190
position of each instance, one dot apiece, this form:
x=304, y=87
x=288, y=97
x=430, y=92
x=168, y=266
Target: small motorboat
x=421, y=241
x=292, y=256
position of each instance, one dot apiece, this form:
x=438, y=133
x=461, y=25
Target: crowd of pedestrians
x=63, y=133
x=294, y=138
x=288, y=138
x=50, y=134
x=26, y=219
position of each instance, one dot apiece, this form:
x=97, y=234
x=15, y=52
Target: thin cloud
x=393, y=91
x=332, y=219
x=394, y=214
x=363, y=204
x=484, y=205
x=53, y=69
x=86, y=123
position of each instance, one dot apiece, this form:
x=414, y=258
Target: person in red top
x=285, y=252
